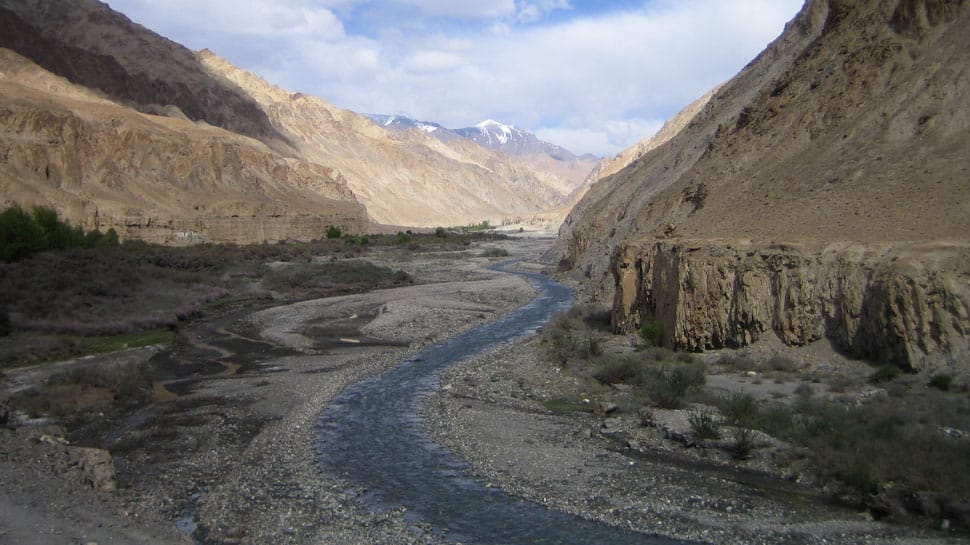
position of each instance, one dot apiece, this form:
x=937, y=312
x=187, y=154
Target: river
x=372, y=437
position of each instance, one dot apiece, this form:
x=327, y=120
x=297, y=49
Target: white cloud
x=424, y=62
x=592, y=83
x=464, y=9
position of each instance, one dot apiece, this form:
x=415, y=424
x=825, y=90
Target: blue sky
x=594, y=77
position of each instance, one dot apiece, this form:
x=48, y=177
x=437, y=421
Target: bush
x=941, y=382
x=739, y=409
x=403, y=238
x=652, y=332
x=669, y=388
x=24, y=234
x=441, y=232
x=704, y=425
x=743, y=443
x=495, y=252
x=590, y=347
x=885, y=373
x=333, y=231
x=618, y=371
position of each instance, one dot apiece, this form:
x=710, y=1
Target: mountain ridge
x=836, y=152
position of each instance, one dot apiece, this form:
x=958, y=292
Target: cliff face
x=157, y=178
x=845, y=141
x=908, y=305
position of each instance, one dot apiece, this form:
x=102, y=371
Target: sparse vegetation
x=884, y=373
x=739, y=409
x=651, y=331
x=495, y=252
x=333, y=231
x=941, y=382
x=704, y=425
x=53, y=299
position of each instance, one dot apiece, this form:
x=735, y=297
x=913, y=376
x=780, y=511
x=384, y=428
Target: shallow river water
x=372, y=437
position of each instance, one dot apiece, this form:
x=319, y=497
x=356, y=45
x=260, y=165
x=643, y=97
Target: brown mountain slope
x=91, y=45
x=156, y=178
x=404, y=178
x=822, y=192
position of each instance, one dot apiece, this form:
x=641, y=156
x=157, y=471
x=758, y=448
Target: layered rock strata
x=902, y=304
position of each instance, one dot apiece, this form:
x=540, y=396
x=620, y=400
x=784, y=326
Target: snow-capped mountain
x=512, y=140
x=564, y=170
x=402, y=123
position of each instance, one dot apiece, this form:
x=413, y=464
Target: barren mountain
x=569, y=169
x=822, y=192
x=554, y=165
x=404, y=178
x=157, y=178
x=91, y=45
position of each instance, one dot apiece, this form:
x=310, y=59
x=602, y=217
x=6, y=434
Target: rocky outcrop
x=156, y=178
x=902, y=304
x=835, y=157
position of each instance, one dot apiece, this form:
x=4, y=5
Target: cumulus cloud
x=593, y=82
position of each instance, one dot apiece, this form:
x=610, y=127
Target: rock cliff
x=160, y=179
x=835, y=165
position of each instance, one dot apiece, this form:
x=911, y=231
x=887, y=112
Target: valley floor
x=227, y=447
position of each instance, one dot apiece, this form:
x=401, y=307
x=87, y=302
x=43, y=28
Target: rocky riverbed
x=225, y=452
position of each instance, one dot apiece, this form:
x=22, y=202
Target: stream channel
x=372, y=436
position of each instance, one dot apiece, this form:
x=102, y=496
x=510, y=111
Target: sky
x=592, y=76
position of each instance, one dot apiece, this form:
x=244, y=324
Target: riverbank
x=534, y=429
x=226, y=447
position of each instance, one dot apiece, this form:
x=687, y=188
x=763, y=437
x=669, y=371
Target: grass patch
x=100, y=345
x=562, y=406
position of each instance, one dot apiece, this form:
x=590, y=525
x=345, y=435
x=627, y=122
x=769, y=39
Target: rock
x=896, y=305
x=97, y=468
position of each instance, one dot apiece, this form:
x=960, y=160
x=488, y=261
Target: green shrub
x=333, y=231
x=441, y=232
x=668, y=388
x=403, y=238
x=24, y=234
x=743, y=443
x=739, y=409
x=590, y=347
x=652, y=332
x=885, y=373
x=618, y=371
x=941, y=381
x=704, y=425
x=495, y=252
